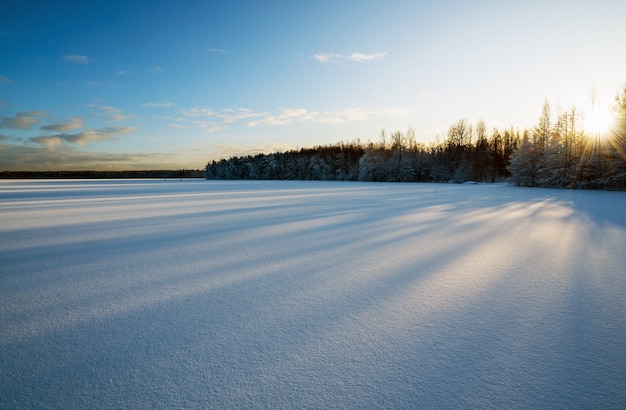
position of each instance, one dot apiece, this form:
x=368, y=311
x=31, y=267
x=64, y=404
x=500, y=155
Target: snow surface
x=264, y=294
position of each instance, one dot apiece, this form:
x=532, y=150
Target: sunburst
x=598, y=121
x=603, y=141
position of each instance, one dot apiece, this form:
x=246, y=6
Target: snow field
x=277, y=294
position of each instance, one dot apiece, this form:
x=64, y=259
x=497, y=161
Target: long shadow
x=294, y=327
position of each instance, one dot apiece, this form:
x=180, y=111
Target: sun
x=598, y=121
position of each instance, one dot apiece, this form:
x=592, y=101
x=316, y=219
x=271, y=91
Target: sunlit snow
x=259, y=294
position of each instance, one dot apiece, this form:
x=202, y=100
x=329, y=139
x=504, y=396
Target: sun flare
x=598, y=121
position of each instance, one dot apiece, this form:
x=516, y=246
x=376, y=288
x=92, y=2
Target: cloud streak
x=354, y=114
x=76, y=58
x=327, y=57
x=67, y=157
x=359, y=57
x=335, y=58
x=81, y=138
x=157, y=105
x=111, y=113
x=217, y=120
x=4, y=80
x=69, y=125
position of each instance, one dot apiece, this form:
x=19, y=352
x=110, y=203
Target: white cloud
x=359, y=57
x=217, y=50
x=69, y=125
x=299, y=114
x=227, y=116
x=22, y=120
x=292, y=115
x=327, y=58
x=157, y=70
x=269, y=120
x=76, y=58
x=157, y=105
x=223, y=117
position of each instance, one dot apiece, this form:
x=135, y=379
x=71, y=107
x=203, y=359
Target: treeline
x=181, y=173
x=394, y=158
x=559, y=154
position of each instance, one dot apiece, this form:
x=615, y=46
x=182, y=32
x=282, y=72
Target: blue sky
x=161, y=84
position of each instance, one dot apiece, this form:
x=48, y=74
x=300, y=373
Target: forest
x=152, y=174
x=554, y=153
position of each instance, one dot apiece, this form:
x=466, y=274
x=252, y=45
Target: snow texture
x=265, y=294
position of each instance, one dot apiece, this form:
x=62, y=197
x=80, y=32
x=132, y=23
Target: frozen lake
x=276, y=294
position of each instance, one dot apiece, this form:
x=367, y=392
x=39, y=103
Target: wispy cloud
x=290, y=116
x=4, y=80
x=158, y=69
x=111, y=113
x=226, y=116
x=22, y=120
x=69, y=125
x=217, y=50
x=208, y=127
x=330, y=58
x=76, y=58
x=157, y=105
x=198, y=112
x=81, y=138
x=231, y=115
x=327, y=57
x=354, y=114
x=359, y=57
x=217, y=120
x=286, y=116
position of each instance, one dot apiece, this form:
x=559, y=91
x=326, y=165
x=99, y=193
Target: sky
x=167, y=85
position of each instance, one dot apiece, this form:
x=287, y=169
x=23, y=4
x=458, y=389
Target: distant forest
x=551, y=154
x=181, y=173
